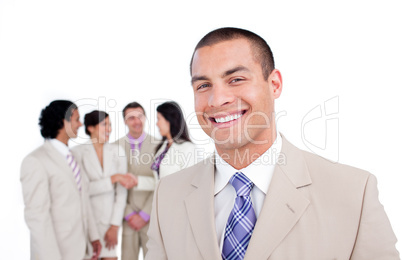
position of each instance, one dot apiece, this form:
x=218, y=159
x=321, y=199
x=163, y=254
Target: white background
x=104, y=54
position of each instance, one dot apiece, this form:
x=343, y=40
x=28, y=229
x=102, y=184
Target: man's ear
x=275, y=80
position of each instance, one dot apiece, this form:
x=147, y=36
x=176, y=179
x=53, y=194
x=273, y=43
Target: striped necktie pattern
x=76, y=169
x=241, y=221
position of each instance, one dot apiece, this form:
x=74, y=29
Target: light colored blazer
x=178, y=157
x=140, y=165
x=108, y=200
x=59, y=217
x=314, y=210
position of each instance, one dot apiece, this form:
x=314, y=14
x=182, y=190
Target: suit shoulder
x=34, y=160
x=328, y=164
x=320, y=165
x=35, y=154
x=151, y=140
x=78, y=148
x=114, y=145
x=122, y=141
x=186, y=175
x=116, y=148
x=186, y=145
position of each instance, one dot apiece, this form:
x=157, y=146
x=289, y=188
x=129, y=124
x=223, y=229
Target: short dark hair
x=52, y=116
x=93, y=119
x=261, y=50
x=132, y=105
x=172, y=112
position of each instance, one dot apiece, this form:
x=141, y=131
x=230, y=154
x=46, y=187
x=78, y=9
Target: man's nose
x=220, y=95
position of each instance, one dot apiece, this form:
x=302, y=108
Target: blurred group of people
x=77, y=199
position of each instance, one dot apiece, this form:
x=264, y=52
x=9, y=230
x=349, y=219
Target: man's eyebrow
x=225, y=74
x=197, y=78
x=234, y=70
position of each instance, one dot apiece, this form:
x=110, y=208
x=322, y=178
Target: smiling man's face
x=233, y=101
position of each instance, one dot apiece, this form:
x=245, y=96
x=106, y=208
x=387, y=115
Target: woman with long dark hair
x=105, y=166
x=176, y=151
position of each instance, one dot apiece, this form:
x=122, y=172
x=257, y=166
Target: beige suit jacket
x=59, y=217
x=314, y=210
x=140, y=165
x=108, y=200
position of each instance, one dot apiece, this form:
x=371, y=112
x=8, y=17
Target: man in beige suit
x=139, y=148
x=57, y=209
x=259, y=197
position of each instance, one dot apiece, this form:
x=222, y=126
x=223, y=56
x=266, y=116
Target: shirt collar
x=259, y=171
x=136, y=141
x=60, y=147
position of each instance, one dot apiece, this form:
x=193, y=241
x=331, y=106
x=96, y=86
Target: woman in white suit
x=105, y=166
x=176, y=151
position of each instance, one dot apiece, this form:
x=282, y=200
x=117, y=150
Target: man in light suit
x=260, y=197
x=139, y=148
x=57, y=209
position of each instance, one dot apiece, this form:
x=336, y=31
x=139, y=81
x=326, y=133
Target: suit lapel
x=163, y=147
x=108, y=159
x=200, y=203
x=284, y=204
x=92, y=161
x=61, y=162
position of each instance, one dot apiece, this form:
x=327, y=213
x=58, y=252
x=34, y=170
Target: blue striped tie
x=240, y=225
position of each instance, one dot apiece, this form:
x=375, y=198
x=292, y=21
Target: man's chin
x=137, y=130
x=228, y=145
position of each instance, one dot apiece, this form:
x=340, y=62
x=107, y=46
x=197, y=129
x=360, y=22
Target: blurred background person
x=57, y=207
x=105, y=166
x=176, y=151
x=139, y=147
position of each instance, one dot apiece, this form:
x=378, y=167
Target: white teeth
x=228, y=118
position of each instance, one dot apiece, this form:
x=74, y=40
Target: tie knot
x=242, y=184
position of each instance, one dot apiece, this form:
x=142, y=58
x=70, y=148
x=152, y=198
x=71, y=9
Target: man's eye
x=236, y=80
x=203, y=86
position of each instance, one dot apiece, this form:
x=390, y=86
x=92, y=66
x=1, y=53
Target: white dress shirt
x=259, y=172
x=60, y=147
